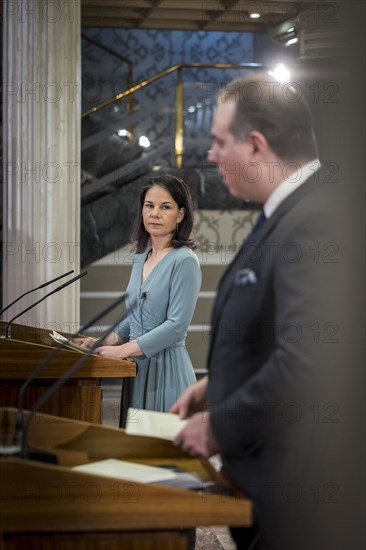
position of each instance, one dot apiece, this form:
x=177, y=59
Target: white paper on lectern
x=67, y=343
x=129, y=471
x=154, y=424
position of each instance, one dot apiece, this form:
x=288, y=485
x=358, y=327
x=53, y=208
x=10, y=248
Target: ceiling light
x=254, y=15
x=123, y=133
x=144, y=142
x=291, y=41
x=284, y=32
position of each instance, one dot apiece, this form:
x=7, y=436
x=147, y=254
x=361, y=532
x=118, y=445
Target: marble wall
x=218, y=235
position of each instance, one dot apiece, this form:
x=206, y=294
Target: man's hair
x=275, y=109
x=180, y=193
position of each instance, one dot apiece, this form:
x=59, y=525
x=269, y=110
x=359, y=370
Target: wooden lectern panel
x=47, y=504
x=95, y=541
x=81, y=402
x=19, y=359
x=80, y=398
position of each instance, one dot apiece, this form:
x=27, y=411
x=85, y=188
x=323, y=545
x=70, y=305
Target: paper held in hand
x=162, y=425
x=66, y=343
x=154, y=424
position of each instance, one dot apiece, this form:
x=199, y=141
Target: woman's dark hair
x=180, y=193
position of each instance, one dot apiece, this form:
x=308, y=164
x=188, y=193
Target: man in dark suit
x=271, y=321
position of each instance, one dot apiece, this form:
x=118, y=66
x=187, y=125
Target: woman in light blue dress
x=165, y=281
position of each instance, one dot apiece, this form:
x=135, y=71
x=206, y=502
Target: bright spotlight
x=280, y=73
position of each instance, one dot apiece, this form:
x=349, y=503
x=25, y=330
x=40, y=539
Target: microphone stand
x=34, y=289
x=19, y=422
x=41, y=455
x=7, y=329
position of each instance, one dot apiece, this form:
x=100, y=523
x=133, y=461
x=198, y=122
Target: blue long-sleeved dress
x=165, y=304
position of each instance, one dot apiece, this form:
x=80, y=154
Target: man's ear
x=259, y=147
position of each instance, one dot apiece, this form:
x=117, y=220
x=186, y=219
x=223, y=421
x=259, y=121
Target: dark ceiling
x=221, y=15
x=283, y=21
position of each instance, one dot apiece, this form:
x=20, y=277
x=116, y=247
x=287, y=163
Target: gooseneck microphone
x=34, y=289
x=34, y=454
x=41, y=300
x=19, y=423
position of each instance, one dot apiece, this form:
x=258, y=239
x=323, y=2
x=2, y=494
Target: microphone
x=144, y=295
x=41, y=300
x=33, y=289
x=19, y=423
x=34, y=454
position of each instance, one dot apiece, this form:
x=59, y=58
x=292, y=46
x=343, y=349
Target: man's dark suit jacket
x=270, y=325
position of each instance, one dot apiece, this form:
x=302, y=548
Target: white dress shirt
x=288, y=186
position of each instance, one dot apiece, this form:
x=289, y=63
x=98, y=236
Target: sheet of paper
x=154, y=424
x=67, y=343
x=129, y=471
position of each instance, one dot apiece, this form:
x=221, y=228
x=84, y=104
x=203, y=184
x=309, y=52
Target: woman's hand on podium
x=84, y=342
x=122, y=351
x=87, y=341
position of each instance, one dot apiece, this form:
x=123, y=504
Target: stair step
x=197, y=346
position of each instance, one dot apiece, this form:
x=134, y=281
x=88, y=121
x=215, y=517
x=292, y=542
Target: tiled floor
x=207, y=538
x=214, y=538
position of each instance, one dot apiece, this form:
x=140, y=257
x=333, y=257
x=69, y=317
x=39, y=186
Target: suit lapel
x=241, y=260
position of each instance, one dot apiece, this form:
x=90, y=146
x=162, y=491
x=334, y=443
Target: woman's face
x=160, y=212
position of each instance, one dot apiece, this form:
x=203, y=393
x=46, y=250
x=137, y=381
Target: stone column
x=41, y=111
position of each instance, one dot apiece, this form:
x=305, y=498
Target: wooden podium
x=80, y=398
x=53, y=507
